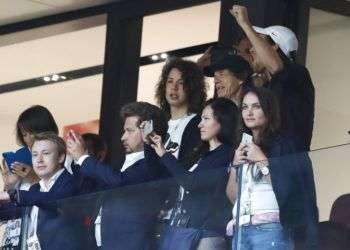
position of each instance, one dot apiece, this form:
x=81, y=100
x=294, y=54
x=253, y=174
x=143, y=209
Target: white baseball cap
x=282, y=36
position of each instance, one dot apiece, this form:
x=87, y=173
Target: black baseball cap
x=227, y=58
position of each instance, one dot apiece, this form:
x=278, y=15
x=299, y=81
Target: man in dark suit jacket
x=48, y=226
x=128, y=213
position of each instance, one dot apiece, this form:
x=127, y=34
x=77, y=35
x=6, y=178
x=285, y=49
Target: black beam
x=341, y=7
x=129, y=9
x=40, y=81
x=184, y=52
x=53, y=19
x=120, y=79
x=297, y=19
x=228, y=28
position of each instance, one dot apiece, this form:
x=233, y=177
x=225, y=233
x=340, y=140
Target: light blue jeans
x=270, y=236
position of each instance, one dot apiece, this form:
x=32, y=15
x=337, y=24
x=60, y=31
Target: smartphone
x=246, y=138
x=22, y=155
x=9, y=158
x=148, y=128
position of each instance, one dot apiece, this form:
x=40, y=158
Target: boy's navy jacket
x=131, y=202
x=56, y=228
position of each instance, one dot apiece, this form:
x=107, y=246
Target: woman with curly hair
x=181, y=94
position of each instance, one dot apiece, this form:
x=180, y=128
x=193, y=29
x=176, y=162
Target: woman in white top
x=278, y=201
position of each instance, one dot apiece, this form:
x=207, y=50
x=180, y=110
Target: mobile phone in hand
x=9, y=158
x=148, y=128
x=246, y=138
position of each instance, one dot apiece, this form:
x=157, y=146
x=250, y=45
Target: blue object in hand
x=22, y=155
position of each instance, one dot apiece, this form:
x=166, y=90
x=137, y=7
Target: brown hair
x=52, y=137
x=194, y=85
x=146, y=111
x=270, y=107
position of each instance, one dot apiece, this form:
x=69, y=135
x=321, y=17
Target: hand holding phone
x=22, y=155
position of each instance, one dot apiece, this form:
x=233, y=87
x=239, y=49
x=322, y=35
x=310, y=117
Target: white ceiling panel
x=60, y=53
x=17, y=10
x=12, y=11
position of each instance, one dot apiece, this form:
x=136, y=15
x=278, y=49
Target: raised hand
x=205, y=59
x=10, y=179
x=75, y=145
x=240, y=13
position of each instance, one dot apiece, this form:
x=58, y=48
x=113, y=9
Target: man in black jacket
x=270, y=55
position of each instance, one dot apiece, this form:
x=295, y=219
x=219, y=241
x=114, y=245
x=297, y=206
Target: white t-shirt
x=176, y=129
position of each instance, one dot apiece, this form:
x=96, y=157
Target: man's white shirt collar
x=130, y=159
x=46, y=187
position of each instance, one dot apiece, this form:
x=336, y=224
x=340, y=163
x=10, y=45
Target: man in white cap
x=270, y=52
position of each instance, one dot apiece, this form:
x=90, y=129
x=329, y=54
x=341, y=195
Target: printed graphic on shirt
x=11, y=234
x=175, y=132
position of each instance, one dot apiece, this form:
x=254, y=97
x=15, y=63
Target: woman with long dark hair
x=198, y=219
x=278, y=201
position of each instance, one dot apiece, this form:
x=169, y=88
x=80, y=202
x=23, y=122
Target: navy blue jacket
x=191, y=138
x=205, y=199
x=293, y=184
x=130, y=206
x=56, y=228
x=296, y=94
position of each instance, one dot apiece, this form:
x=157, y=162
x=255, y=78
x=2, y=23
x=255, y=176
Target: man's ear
x=61, y=158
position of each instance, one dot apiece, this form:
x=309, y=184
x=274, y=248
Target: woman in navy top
x=202, y=207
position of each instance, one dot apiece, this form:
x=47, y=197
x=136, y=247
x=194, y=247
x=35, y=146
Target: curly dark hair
x=194, y=85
